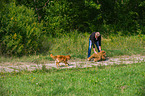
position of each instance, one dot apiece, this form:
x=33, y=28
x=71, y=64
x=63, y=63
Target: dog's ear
x=103, y=51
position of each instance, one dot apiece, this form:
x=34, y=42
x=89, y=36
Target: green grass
x=76, y=45
x=119, y=45
x=122, y=80
x=38, y=59
x=115, y=45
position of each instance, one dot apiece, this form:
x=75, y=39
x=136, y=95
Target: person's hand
x=95, y=52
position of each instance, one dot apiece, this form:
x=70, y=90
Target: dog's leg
x=97, y=59
x=58, y=62
x=90, y=58
x=66, y=64
x=103, y=57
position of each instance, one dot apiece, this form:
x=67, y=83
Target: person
x=94, y=39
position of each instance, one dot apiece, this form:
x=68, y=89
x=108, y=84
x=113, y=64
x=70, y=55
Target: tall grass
x=76, y=44
x=120, y=45
x=125, y=80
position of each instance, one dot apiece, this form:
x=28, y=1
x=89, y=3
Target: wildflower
x=15, y=35
x=12, y=18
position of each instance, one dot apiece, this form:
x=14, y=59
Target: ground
x=79, y=63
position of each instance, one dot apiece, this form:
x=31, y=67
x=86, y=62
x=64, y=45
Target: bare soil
x=79, y=63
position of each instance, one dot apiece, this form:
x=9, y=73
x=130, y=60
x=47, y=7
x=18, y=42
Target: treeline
x=24, y=24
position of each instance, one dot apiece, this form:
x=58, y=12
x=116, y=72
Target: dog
x=61, y=58
x=100, y=56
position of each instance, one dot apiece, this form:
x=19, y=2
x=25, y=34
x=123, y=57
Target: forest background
x=48, y=26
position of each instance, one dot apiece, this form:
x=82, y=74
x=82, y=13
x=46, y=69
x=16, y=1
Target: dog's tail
x=53, y=57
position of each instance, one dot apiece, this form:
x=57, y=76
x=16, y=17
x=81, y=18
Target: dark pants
x=90, y=45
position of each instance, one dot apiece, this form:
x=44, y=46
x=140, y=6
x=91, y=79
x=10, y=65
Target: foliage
x=63, y=16
x=20, y=31
x=24, y=21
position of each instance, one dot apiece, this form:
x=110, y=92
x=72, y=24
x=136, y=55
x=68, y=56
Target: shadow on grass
x=66, y=66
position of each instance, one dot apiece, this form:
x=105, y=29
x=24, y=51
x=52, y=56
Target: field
x=110, y=80
x=121, y=80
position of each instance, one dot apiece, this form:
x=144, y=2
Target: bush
x=20, y=31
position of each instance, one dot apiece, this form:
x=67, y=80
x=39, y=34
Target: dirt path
x=81, y=63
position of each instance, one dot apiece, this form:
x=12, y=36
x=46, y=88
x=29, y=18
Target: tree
x=20, y=31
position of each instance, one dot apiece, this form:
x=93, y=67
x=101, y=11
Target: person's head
x=97, y=34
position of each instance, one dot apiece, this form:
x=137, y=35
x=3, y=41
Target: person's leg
x=97, y=45
x=89, y=49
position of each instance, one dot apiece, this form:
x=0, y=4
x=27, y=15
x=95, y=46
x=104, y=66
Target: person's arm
x=100, y=48
x=94, y=50
x=94, y=46
x=92, y=37
x=100, y=43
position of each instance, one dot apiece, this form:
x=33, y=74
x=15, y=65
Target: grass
x=76, y=45
x=38, y=59
x=117, y=80
x=122, y=80
x=115, y=45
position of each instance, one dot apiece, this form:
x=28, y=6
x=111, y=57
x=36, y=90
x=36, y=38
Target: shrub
x=20, y=31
